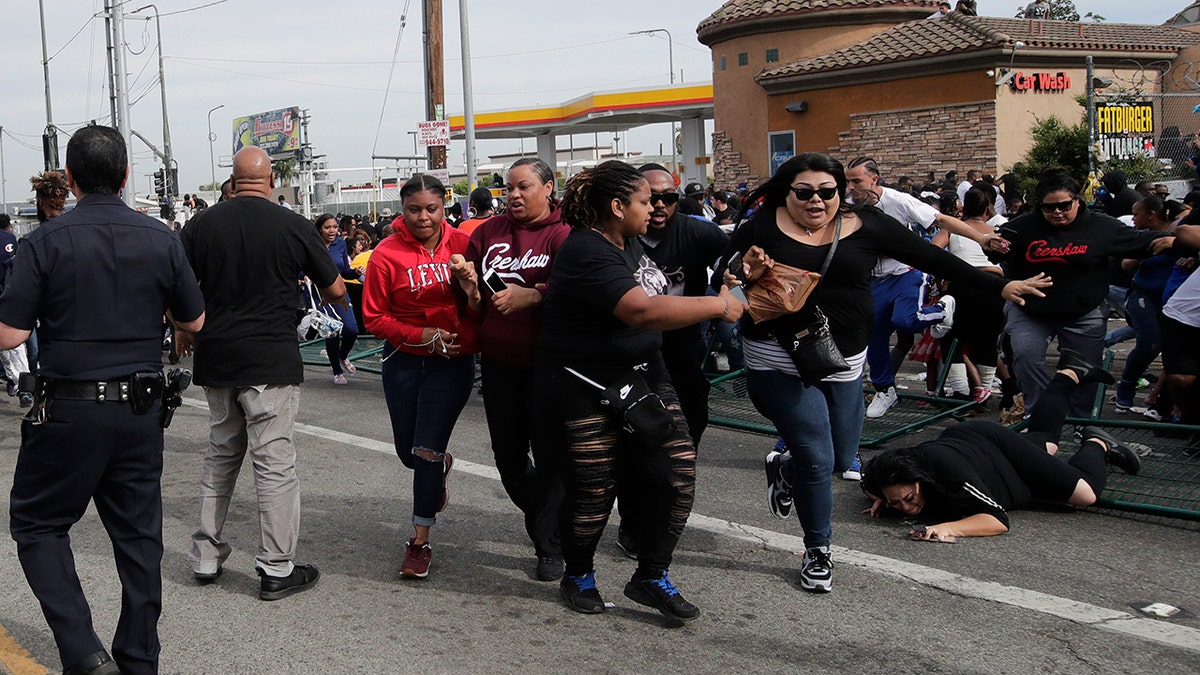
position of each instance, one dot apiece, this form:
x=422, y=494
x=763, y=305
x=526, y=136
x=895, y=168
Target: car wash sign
x=1041, y=82
x=1125, y=130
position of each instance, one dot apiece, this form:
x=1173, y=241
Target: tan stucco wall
x=740, y=105
x=829, y=110
x=1018, y=111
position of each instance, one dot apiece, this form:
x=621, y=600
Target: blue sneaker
x=855, y=470
x=580, y=594
x=662, y=595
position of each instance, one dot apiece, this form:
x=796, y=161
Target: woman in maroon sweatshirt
x=517, y=247
x=416, y=297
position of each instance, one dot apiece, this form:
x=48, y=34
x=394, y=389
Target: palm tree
x=285, y=171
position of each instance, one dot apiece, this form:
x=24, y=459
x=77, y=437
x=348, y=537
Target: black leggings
x=1047, y=477
x=534, y=486
x=599, y=453
x=978, y=322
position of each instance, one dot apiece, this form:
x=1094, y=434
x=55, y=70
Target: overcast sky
x=333, y=58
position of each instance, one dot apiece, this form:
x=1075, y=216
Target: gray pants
x=1030, y=335
x=257, y=420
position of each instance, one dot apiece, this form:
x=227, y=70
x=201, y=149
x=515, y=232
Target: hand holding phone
x=738, y=271
x=493, y=281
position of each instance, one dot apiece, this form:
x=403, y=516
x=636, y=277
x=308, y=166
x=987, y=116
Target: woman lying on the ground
x=964, y=483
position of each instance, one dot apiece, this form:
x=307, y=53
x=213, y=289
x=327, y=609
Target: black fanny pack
x=635, y=404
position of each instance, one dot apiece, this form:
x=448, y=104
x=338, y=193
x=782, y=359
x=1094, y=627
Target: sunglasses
x=805, y=194
x=1051, y=207
x=667, y=198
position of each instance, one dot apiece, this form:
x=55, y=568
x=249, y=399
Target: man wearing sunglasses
x=684, y=247
x=896, y=287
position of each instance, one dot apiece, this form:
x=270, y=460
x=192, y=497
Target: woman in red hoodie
x=518, y=247
x=416, y=297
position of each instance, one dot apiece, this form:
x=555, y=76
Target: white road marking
x=1117, y=621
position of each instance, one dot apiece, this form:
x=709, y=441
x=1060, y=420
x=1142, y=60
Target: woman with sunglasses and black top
x=803, y=211
x=1065, y=240
x=606, y=304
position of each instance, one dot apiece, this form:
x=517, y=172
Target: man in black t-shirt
x=248, y=255
x=684, y=247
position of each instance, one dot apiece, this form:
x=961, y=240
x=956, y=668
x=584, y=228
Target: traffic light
x=160, y=185
x=173, y=186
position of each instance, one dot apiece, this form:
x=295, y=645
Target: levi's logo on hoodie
x=427, y=274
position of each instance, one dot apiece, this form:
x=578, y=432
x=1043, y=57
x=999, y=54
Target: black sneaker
x=779, y=493
x=1069, y=359
x=1118, y=454
x=549, y=568
x=580, y=593
x=302, y=578
x=816, y=572
x=662, y=595
x=626, y=543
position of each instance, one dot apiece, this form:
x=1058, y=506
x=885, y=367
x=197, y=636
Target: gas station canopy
x=596, y=112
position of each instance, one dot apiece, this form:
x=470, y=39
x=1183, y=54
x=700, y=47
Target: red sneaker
x=416, y=560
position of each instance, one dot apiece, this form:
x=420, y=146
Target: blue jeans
x=821, y=426
x=1143, y=310
x=897, y=301
x=337, y=348
x=424, y=396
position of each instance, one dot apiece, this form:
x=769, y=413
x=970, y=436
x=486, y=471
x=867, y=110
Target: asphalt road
x=1053, y=595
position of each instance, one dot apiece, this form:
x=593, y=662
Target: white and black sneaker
x=816, y=572
x=779, y=493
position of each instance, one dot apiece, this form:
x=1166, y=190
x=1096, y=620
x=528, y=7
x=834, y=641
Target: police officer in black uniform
x=98, y=279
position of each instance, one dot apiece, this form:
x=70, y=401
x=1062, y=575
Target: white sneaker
x=882, y=402
x=940, y=329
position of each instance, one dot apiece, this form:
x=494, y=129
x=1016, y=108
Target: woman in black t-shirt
x=963, y=483
x=601, y=320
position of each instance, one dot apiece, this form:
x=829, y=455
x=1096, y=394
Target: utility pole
x=108, y=62
x=468, y=93
x=435, y=85
x=117, y=17
x=1091, y=115
x=50, y=136
x=168, y=158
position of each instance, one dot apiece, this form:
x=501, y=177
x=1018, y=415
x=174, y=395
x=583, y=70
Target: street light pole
x=671, y=65
x=212, y=164
x=468, y=94
x=670, y=47
x=168, y=158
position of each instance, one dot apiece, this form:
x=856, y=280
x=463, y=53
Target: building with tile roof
x=921, y=95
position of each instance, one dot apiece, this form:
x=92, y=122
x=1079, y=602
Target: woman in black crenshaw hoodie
x=1072, y=245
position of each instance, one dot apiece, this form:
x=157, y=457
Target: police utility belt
x=139, y=390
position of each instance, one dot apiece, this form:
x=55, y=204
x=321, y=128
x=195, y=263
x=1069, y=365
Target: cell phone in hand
x=735, y=268
x=493, y=281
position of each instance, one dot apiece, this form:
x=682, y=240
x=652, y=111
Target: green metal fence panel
x=1169, y=482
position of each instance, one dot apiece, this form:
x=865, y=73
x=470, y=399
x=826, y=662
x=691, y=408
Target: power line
x=391, y=71
x=193, y=9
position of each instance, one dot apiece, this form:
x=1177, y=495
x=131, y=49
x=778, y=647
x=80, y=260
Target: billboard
x=1125, y=130
x=276, y=131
